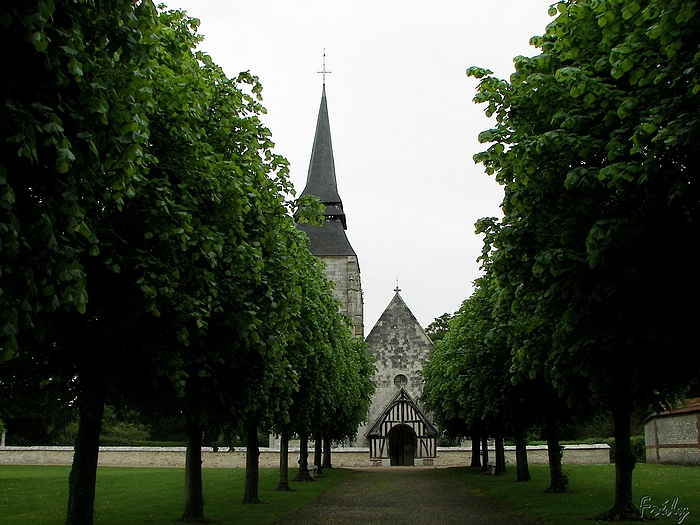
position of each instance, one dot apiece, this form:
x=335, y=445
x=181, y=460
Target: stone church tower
x=328, y=241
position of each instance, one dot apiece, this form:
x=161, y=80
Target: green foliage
x=140, y=192
x=334, y=368
x=446, y=440
x=466, y=377
x=469, y=382
x=74, y=97
x=638, y=447
x=117, y=429
x=217, y=261
x=121, y=429
x=444, y=383
x=594, y=143
x=35, y=410
x=600, y=427
x=439, y=327
x=311, y=210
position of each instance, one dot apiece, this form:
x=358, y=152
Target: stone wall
x=673, y=439
x=269, y=458
x=536, y=455
x=344, y=271
x=167, y=457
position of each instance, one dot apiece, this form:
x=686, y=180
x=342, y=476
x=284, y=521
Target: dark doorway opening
x=402, y=446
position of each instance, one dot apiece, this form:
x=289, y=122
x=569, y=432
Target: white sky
x=403, y=124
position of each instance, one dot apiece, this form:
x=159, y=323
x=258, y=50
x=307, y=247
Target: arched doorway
x=402, y=446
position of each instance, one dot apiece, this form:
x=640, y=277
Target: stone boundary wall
x=598, y=454
x=269, y=458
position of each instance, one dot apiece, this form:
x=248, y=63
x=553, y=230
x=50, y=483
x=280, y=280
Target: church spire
x=320, y=180
x=328, y=241
x=330, y=238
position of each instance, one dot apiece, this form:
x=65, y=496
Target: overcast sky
x=403, y=124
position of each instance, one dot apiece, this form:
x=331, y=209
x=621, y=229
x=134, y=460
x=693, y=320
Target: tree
x=594, y=145
x=237, y=357
x=74, y=100
x=467, y=375
x=35, y=411
x=73, y=124
x=189, y=262
x=442, y=386
x=351, y=386
x=334, y=368
x=539, y=405
x=238, y=253
x=439, y=327
x=472, y=390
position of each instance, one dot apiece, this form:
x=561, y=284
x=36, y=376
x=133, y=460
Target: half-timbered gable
x=402, y=433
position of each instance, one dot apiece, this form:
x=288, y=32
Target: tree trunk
x=194, y=498
x=250, y=494
x=83, y=474
x=624, y=508
x=327, y=453
x=485, y=452
x=500, y=454
x=318, y=453
x=521, y=466
x=476, y=451
x=303, y=474
x=558, y=481
x=283, y=484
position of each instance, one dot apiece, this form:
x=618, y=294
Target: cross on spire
x=397, y=289
x=324, y=67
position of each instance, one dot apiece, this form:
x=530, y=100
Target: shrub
x=444, y=440
x=638, y=448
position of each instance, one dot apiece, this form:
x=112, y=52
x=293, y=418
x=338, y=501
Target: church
x=397, y=431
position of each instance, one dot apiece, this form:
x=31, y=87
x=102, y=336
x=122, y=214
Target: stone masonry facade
x=344, y=272
x=400, y=347
x=673, y=439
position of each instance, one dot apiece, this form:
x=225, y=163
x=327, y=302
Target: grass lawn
x=150, y=496
x=592, y=491
x=154, y=496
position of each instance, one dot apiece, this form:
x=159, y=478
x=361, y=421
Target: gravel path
x=403, y=495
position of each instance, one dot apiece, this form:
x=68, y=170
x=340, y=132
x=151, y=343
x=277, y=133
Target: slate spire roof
x=330, y=238
x=321, y=181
